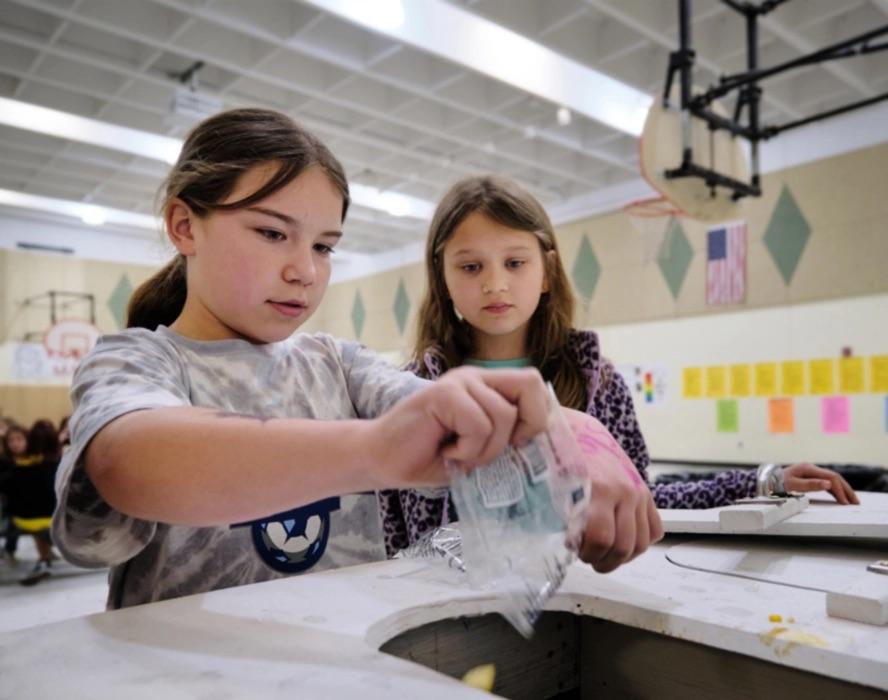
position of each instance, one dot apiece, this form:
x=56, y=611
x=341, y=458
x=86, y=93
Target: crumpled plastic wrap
x=442, y=543
x=522, y=518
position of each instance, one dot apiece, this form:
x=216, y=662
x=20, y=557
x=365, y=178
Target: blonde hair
x=441, y=332
x=215, y=154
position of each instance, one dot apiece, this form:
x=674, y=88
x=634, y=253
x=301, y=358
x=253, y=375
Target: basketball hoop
x=661, y=150
x=66, y=342
x=655, y=219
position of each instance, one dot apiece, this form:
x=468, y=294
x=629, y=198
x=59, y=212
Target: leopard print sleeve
x=409, y=514
x=723, y=489
x=612, y=405
x=394, y=525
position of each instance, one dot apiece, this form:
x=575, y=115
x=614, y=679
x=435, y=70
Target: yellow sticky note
x=716, y=386
x=851, y=375
x=822, y=376
x=879, y=373
x=766, y=379
x=740, y=384
x=793, y=377
x=692, y=382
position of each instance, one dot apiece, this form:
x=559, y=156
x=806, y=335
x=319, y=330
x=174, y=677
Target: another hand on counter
x=623, y=520
x=805, y=476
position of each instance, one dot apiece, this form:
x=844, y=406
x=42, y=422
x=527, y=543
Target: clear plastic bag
x=443, y=543
x=522, y=517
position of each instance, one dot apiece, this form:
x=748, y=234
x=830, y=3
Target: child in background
x=498, y=296
x=208, y=414
x=32, y=495
x=14, y=444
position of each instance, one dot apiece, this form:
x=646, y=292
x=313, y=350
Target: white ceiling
x=403, y=119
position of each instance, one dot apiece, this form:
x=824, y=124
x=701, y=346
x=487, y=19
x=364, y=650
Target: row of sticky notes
x=835, y=415
x=789, y=378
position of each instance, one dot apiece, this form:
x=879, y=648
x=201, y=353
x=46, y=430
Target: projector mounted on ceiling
x=189, y=103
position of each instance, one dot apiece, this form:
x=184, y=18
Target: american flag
x=726, y=263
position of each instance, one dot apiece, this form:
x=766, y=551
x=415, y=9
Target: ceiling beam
x=296, y=43
x=280, y=83
x=459, y=36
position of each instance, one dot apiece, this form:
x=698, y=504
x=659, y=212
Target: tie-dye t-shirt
x=305, y=376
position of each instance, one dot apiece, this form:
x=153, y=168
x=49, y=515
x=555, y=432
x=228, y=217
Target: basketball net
x=655, y=220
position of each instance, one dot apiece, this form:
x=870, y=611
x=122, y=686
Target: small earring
x=459, y=316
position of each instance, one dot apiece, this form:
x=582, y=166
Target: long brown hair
x=440, y=331
x=215, y=154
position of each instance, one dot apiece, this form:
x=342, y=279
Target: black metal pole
x=774, y=130
x=731, y=82
x=684, y=40
x=753, y=95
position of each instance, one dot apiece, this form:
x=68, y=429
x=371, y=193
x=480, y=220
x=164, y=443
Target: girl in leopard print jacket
x=497, y=294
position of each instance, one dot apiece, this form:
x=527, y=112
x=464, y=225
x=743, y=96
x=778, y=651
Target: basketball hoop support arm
x=749, y=97
x=54, y=298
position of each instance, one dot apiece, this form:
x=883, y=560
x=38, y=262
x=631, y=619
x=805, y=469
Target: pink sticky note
x=834, y=414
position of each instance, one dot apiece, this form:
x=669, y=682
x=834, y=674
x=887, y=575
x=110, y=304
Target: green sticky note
x=727, y=417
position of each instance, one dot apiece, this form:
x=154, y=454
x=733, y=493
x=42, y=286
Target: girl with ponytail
x=211, y=446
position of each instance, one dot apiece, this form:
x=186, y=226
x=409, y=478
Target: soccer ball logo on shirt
x=294, y=541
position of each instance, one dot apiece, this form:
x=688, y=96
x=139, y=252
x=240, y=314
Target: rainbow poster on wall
x=648, y=387
x=648, y=384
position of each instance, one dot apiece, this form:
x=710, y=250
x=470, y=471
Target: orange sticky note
x=739, y=380
x=822, y=381
x=793, y=376
x=781, y=416
x=851, y=375
x=879, y=374
x=766, y=379
x=716, y=386
x=692, y=382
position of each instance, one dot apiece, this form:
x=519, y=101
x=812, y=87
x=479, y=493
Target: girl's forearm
x=202, y=467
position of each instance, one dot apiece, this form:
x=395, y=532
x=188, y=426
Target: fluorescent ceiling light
x=52, y=122
x=385, y=15
x=394, y=203
x=486, y=47
x=89, y=213
x=94, y=216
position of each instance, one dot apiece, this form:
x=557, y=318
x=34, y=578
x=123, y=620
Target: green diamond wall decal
x=119, y=299
x=675, y=257
x=358, y=314
x=586, y=270
x=787, y=234
x=402, y=306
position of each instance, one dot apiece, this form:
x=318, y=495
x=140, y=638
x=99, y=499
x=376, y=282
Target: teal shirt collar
x=499, y=364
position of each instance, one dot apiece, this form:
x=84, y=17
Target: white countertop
x=318, y=635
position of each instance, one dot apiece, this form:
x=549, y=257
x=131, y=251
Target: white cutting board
x=823, y=517
x=839, y=569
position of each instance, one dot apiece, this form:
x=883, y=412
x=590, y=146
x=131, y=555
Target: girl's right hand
x=469, y=415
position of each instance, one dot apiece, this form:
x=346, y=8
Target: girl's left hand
x=623, y=520
x=809, y=477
